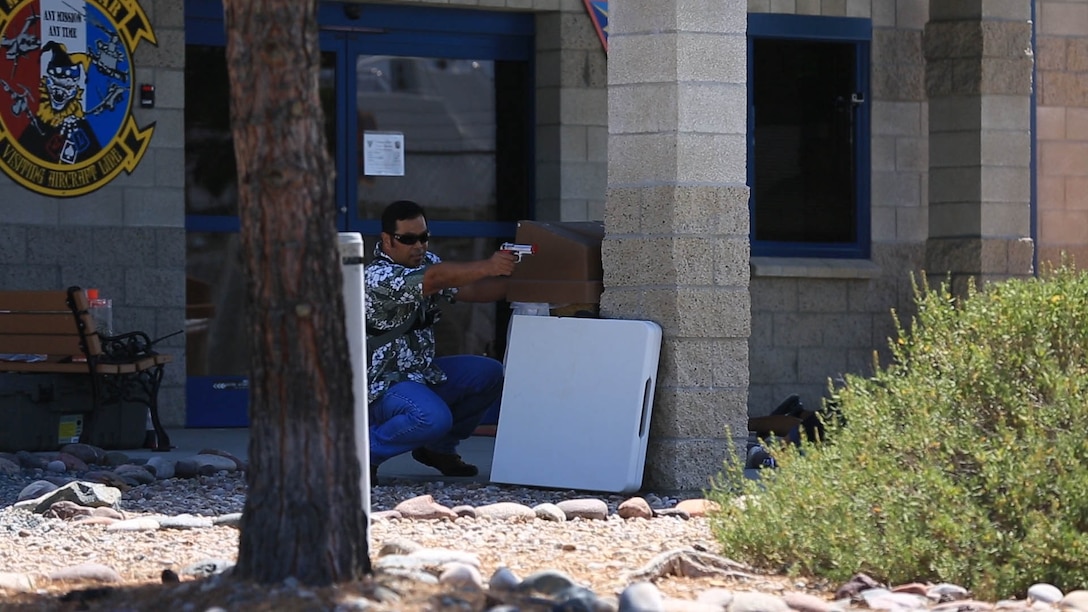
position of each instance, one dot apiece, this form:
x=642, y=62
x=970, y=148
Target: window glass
x=804, y=155
x=456, y=140
x=808, y=137
x=215, y=288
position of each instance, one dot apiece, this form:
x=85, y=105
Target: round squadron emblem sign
x=66, y=124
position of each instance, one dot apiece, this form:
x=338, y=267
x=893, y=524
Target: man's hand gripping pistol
x=518, y=250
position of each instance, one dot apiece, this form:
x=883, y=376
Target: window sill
x=809, y=267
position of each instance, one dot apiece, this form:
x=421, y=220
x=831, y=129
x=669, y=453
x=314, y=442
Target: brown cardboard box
x=566, y=267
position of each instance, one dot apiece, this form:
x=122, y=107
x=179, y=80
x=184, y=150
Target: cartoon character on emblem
x=60, y=131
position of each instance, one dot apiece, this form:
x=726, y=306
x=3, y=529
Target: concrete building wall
x=1061, y=56
x=127, y=238
x=813, y=319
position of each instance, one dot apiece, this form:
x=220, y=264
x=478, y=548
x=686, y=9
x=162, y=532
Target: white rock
x=1046, y=593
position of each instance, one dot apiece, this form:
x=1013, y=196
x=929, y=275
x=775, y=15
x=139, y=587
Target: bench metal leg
x=150, y=380
x=141, y=387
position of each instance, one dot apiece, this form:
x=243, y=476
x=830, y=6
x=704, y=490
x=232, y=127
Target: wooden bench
x=57, y=325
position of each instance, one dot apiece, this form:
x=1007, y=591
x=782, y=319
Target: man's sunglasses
x=410, y=239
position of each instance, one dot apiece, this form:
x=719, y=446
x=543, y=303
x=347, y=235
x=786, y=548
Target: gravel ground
x=595, y=553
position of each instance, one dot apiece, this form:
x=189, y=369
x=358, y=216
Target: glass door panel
x=466, y=142
x=465, y=149
x=217, y=353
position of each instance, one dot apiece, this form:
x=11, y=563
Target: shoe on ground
x=450, y=464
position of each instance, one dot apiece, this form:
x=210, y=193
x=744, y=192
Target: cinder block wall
x=815, y=319
x=1061, y=57
x=571, y=115
x=127, y=238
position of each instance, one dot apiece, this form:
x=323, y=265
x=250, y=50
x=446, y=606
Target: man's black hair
x=399, y=211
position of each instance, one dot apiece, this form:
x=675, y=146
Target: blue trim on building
x=410, y=31
x=809, y=27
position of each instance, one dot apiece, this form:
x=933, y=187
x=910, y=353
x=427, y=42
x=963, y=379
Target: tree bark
x=303, y=515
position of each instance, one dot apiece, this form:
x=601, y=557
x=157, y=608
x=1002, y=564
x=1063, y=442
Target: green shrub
x=964, y=460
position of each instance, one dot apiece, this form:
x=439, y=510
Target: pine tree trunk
x=303, y=514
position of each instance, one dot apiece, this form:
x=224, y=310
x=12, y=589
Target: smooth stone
x=716, y=596
x=805, y=602
x=67, y=510
x=239, y=465
x=36, y=489
x=163, y=467
x=96, y=572
x=635, y=507
x=114, y=458
x=963, y=605
x=185, y=521
x=575, y=599
x=464, y=511
x=71, y=462
x=143, y=523
x=672, y=513
x=549, y=512
x=585, y=508
x=1075, y=600
x=1046, y=593
x=946, y=591
x=218, y=463
x=437, y=557
x=505, y=511
x=424, y=507
x=9, y=467
x=547, y=582
x=90, y=519
x=744, y=601
x=461, y=576
x=234, y=519
x=57, y=467
x=698, y=507
x=504, y=579
x=138, y=473
x=686, y=605
x=84, y=452
x=186, y=468
x=641, y=597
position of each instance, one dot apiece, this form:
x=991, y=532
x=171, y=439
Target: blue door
x=451, y=89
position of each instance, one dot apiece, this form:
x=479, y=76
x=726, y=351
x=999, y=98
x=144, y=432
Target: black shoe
x=450, y=464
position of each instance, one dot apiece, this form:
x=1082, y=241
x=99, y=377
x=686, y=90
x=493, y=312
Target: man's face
x=408, y=230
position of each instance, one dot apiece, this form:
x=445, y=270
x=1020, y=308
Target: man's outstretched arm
x=490, y=289
x=450, y=274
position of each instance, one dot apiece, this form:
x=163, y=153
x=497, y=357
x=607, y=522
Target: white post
x=351, y=263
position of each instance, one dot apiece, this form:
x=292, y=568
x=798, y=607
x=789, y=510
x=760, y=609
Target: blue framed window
x=808, y=135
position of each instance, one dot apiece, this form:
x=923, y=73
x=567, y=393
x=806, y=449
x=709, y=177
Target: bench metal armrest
x=126, y=347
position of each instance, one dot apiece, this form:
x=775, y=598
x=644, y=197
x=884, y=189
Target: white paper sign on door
x=383, y=153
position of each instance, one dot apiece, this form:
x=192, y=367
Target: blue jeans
x=438, y=417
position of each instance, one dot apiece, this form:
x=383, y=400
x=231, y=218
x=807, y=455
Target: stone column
x=978, y=79
x=676, y=247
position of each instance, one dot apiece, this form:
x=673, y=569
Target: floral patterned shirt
x=393, y=294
